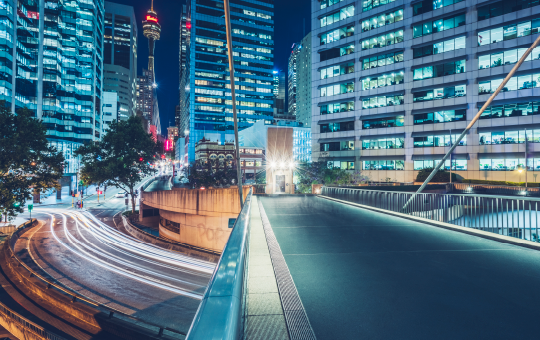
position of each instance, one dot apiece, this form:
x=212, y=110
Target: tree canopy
x=121, y=158
x=319, y=173
x=210, y=175
x=27, y=161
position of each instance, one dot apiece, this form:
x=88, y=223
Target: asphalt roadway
x=366, y=275
x=149, y=286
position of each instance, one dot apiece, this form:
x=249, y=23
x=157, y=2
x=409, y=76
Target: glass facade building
x=206, y=107
x=52, y=63
x=120, y=56
x=402, y=78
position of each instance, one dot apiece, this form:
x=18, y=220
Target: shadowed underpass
x=367, y=275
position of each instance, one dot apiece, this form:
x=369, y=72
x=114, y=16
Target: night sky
x=288, y=21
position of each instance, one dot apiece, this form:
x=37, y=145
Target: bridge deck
x=362, y=274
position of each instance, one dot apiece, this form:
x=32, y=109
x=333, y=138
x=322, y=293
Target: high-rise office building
x=152, y=31
x=52, y=63
x=303, y=82
x=292, y=78
x=395, y=84
x=278, y=89
x=120, y=56
x=207, y=107
x=185, y=26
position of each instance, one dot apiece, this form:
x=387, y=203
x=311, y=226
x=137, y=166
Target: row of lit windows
x=509, y=164
x=336, y=127
x=337, y=70
x=328, y=3
x=526, y=81
x=503, y=7
x=337, y=107
x=343, y=14
x=382, y=60
x=343, y=165
x=383, y=143
x=383, y=165
x=383, y=40
x=438, y=25
x=439, y=70
x=512, y=110
x=509, y=137
x=457, y=164
x=386, y=122
x=506, y=57
x=426, y=6
x=337, y=34
x=336, y=89
x=509, y=32
x=440, y=47
x=440, y=93
x=393, y=78
x=382, y=20
x=440, y=117
x=381, y=101
x=371, y=4
x=434, y=141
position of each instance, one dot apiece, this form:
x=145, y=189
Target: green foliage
x=210, y=175
x=319, y=173
x=121, y=158
x=513, y=184
x=27, y=162
x=440, y=177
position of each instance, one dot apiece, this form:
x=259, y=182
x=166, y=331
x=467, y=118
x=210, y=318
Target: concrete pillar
x=37, y=196
x=59, y=192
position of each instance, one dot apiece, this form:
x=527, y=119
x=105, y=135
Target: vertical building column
x=40, y=58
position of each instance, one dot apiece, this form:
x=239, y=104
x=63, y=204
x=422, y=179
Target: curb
x=448, y=226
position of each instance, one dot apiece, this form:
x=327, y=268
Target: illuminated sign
x=32, y=15
x=188, y=25
x=167, y=145
x=151, y=18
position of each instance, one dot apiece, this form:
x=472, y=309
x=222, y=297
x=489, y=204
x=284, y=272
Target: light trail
x=133, y=248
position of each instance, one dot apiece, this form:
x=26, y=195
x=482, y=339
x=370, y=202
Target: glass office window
x=337, y=34
x=382, y=20
x=382, y=60
x=337, y=107
x=383, y=143
x=521, y=82
x=440, y=47
x=440, y=117
x=328, y=3
x=342, y=14
x=509, y=137
x=337, y=146
x=440, y=93
x=439, y=70
x=336, y=89
x=495, y=9
x=426, y=6
x=506, y=57
x=381, y=101
x=393, y=78
x=337, y=70
x=336, y=127
x=508, y=32
x=343, y=165
x=438, y=25
x=384, y=165
x=371, y=4
x=383, y=122
x=383, y=40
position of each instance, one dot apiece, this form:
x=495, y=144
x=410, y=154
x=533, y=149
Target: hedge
x=440, y=177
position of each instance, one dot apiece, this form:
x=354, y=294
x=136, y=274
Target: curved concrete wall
x=203, y=215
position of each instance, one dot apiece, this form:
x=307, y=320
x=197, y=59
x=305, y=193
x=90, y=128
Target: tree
x=210, y=174
x=121, y=158
x=27, y=162
x=319, y=173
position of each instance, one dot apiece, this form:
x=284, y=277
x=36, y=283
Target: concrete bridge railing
x=515, y=217
x=221, y=312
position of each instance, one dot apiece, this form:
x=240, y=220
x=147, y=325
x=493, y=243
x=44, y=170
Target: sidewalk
x=66, y=197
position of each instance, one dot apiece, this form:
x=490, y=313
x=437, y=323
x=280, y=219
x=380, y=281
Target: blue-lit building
x=206, y=105
x=51, y=56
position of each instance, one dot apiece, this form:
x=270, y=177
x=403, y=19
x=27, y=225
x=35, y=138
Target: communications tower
x=152, y=31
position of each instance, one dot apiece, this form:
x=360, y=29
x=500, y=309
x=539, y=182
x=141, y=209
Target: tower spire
x=152, y=6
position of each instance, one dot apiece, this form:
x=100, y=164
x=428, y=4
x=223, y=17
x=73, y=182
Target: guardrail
x=492, y=189
x=221, y=312
x=27, y=324
x=53, y=283
x=514, y=217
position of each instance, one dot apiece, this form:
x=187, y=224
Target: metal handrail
x=75, y=295
x=27, y=324
x=503, y=215
x=221, y=312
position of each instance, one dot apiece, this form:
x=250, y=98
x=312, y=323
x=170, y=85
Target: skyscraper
x=303, y=82
x=152, y=31
x=52, y=56
x=291, y=78
x=120, y=56
x=396, y=83
x=278, y=89
x=207, y=107
x=185, y=25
